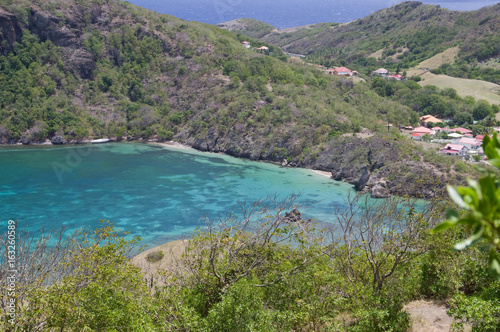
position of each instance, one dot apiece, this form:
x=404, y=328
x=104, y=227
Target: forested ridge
x=94, y=68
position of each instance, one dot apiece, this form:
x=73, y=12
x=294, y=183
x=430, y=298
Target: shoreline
x=166, y=144
x=180, y=146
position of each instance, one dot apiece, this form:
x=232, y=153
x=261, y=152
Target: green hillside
x=80, y=69
x=77, y=70
x=406, y=34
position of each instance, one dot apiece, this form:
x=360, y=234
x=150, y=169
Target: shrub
x=155, y=257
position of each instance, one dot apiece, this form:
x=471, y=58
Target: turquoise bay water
x=154, y=192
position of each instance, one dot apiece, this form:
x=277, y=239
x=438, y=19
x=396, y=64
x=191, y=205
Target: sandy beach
x=174, y=145
x=327, y=174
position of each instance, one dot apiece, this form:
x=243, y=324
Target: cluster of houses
x=343, y=71
x=338, y=71
x=462, y=141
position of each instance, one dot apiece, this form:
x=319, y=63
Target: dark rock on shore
x=363, y=180
x=26, y=140
x=57, y=140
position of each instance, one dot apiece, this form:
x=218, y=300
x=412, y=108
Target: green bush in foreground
x=481, y=201
x=264, y=268
x=96, y=288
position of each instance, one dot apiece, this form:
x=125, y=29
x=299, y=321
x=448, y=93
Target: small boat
x=100, y=140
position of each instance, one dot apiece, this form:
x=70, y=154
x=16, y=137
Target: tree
x=78, y=283
x=463, y=118
x=383, y=234
x=244, y=249
x=426, y=138
x=482, y=110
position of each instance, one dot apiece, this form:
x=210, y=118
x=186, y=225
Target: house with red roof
x=342, y=71
x=480, y=138
x=455, y=150
x=246, y=44
x=424, y=130
x=417, y=136
x=429, y=119
x=419, y=132
x=395, y=77
x=462, y=131
x=470, y=143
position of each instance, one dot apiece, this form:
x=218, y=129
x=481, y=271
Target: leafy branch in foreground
x=481, y=200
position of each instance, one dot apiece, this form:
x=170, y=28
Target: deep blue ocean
x=152, y=191
x=287, y=13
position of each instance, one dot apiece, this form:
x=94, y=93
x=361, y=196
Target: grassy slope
x=250, y=27
x=464, y=87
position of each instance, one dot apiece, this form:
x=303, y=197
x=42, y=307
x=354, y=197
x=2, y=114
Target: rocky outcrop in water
x=379, y=190
x=363, y=180
x=292, y=216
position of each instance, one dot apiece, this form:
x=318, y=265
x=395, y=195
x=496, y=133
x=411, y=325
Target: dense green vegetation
x=152, y=74
x=474, y=71
x=445, y=103
x=255, y=270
